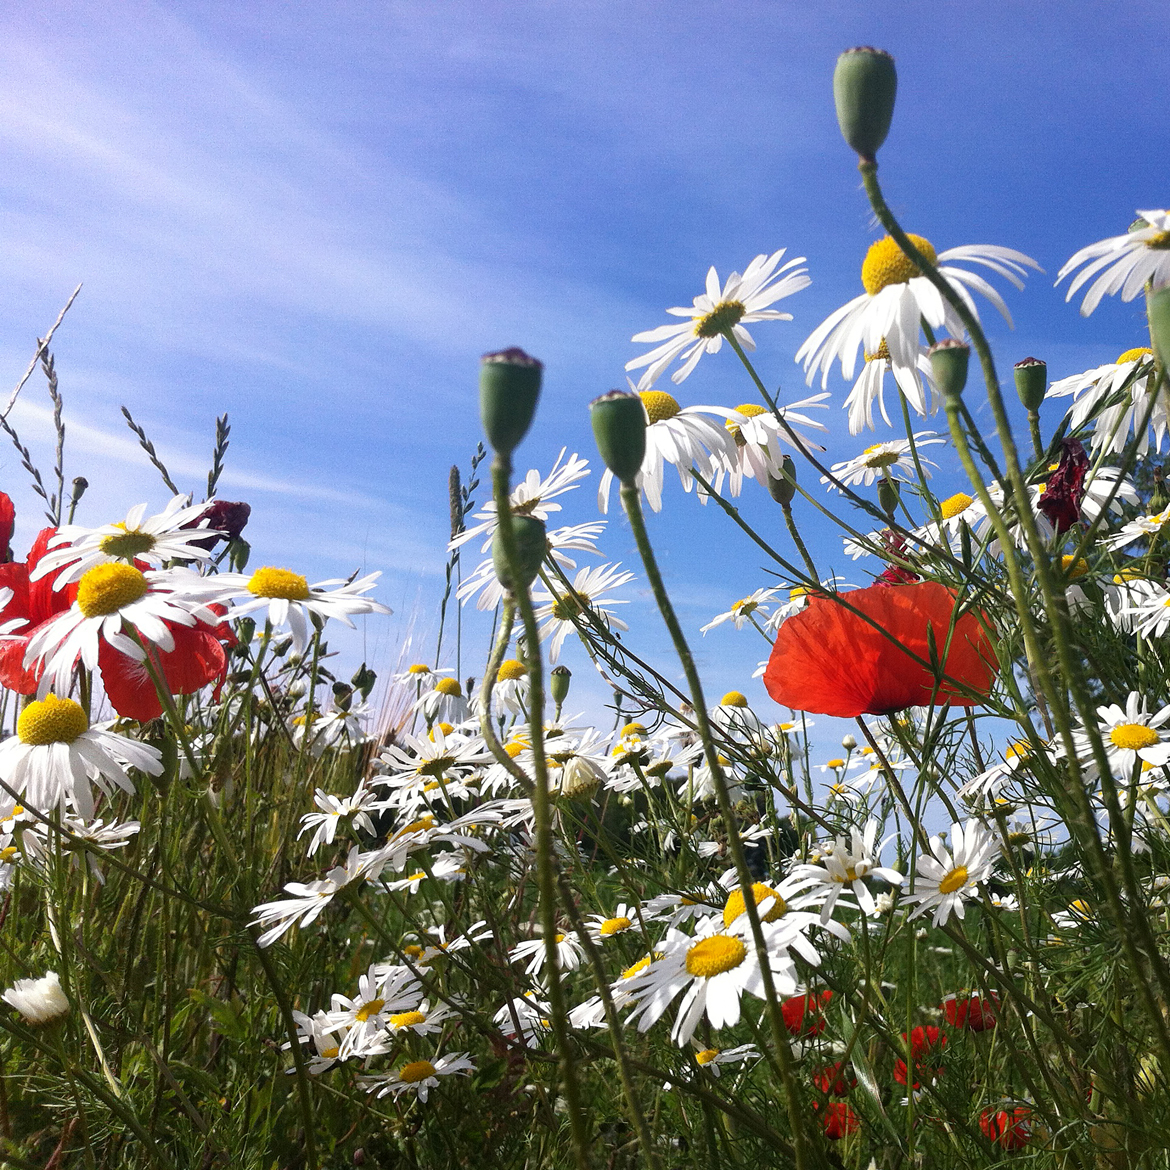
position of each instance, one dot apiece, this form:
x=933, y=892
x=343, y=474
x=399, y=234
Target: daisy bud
x=531, y=545
x=864, y=85
x=559, y=684
x=888, y=495
x=509, y=385
x=40, y=1001
x=948, y=362
x=619, y=426
x=1031, y=381
x=848, y=743
x=783, y=488
x=1158, y=310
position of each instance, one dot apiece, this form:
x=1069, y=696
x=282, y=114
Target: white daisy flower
x=510, y=693
x=335, y=809
x=527, y=1017
x=892, y=459
x=444, y=702
x=532, y=952
x=556, y=611
x=1127, y=591
x=289, y=598
x=1131, y=380
x=916, y=385
x=336, y=728
x=382, y=992
x=895, y=302
x=417, y=1076
x=435, y=754
x=1123, y=264
x=1151, y=615
x=110, y=598
x=40, y=1001
x=846, y=861
x=308, y=899
x=419, y=673
x=741, y=612
x=756, y=437
x=530, y=497
x=116, y=835
x=944, y=880
x=174, y=534
x=739, y=302
x=55, y=755
x=989, y=784
x=447, y=867
x=682, y=436
x=602, y=927
x=1140, y=528
x=1132, y=736
x=421, y=1021
x=323, y=1035
x=712, y=1058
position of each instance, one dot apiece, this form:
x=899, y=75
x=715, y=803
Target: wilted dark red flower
x=973, y=1012
x=834, y=1080
x=832, y=661
x=926, y=1045
x=226, y=516
x=804, y=1015
x=1061, y=499
x=837, y=1119
x=7, y=523
x=1010, y=1128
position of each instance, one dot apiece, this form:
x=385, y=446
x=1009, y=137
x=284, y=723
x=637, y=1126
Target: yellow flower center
x=749, y=410
x=418, y=668
x=1074, y=567
x=634, y=728
x=105, y=589
x=282, y=583
x=734, y=906
x=707, y=1055
x=415, y=1071
x=1161, y=241
x=1020, y=749
x=1132, y=355
x=882, y=353
x=514, y=748
x=1133, y=737
x=450, y=687
x=51, y=720
x=1081, y=908
x=955, y=505
x=127, y=543
x=330, y=1053
x=797, y=592
x=659, y=405
x=885, y=263
x=714, y=955
x=745, y=606
x=412, y=951
x=8, y=853
x=733, y=699
x=566, y=608
x=954, y=880
x=372, y=1008
x=407, y=1019
x=614, y=926
x=720, y=319
x=637, y=968
x=441, y=726
x=511, y=669
x=835, y=763
x=425, y=822
x=879, y=455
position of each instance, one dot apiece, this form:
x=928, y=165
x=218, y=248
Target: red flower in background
x=831, y=661
x=804, y=1015
x=7, y=523
x=1061, y=499
x=973, y=1012
x=926, y=1045
x=1009, y=1128
x=837, y=1119
x=833, y=1080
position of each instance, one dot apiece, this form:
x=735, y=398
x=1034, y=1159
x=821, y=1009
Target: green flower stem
x=794, y=532
x=1034, y=430
x=541, y=807
x=486, y=728
x=1057, y=611
x=632, y=500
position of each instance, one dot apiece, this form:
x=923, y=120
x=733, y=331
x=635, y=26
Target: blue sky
x=316, y=216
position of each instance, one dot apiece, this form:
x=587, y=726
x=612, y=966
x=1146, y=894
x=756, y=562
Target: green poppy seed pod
x=888, y=494
x=1031, y=381
x=558, y=683
x=782, y=488
x=865, y=83
x=531, y=545
x=509, y=385
x=1158, y=310
x=948, y=363
x=619, y=426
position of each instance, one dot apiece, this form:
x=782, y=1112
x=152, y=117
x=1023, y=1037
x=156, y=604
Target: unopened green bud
x=239, y=550
x=619, y=426
x=1158, y=310
x=889, y=493
x=364, y=679
x=782, y=488
x=531, y=545
x=865, y=83
x=558, y=683
x=948, y=363
x=509, y=385
x=342, y=695
x=1031, y=381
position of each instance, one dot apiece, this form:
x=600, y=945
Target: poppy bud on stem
x=1031, y=383
x=619, y=426
x=1158, y=311
x=865, y=84
x=558, y=685
x=509, y=385
x=949, y=359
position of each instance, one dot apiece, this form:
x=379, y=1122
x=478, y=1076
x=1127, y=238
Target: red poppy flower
x=804, y=1015
x=926, y=1045
x=833, y=1080
x=7, y=523
x=976, y=1013
x=1061, y=499
x=1009, y=1128
x=837, y=1119
x=197, y=660
x=831, y=661
x=36, y=602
